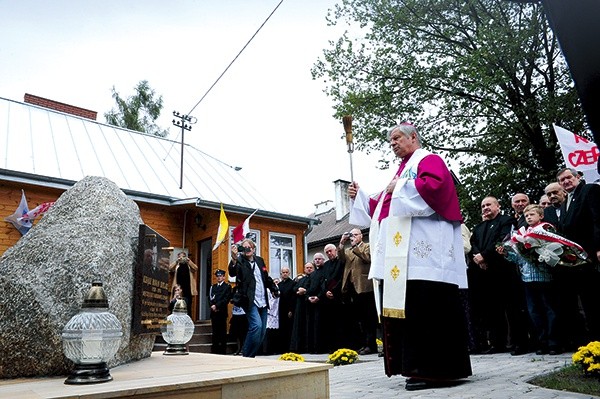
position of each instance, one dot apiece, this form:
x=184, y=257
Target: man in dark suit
x=331, y=298
x=252, y=280
x=518, y=202
x=556, y=195
x=220, y=294
x=314, y=330
x=580, y=222
x=494, y=283
x=286, y=309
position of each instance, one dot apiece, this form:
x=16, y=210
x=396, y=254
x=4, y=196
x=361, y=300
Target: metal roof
x=330, y=229
x=43, y=145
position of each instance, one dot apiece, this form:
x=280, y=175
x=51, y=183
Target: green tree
x=483, y=81
x=138, y=112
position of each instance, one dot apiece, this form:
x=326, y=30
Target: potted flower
x=588, y=358
x=291, y=357
x=342, y=356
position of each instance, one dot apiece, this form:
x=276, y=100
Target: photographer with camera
x=252, y=281
x=357, y=289
x=185, y=275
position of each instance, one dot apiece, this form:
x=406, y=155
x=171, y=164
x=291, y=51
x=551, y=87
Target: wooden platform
x=196, y=375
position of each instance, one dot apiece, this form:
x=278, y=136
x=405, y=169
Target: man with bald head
x=494, y=283
x=556, y=195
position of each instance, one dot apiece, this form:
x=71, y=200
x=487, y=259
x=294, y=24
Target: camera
x=346, y=234
x=183, y=260
x=242, y=249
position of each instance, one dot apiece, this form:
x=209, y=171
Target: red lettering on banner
x=580, y=139
x=582, y=157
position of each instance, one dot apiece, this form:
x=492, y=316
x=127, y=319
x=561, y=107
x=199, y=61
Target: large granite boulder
x=91, y=233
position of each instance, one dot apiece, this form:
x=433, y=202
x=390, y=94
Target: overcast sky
x=265, y=115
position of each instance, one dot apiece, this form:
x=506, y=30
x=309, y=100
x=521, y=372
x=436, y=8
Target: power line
x=214, y=84
x=236, y=57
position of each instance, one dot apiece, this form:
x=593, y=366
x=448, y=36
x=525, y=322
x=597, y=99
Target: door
x=204, y=278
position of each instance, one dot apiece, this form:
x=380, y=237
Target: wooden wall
x=10, y=197
x=167, y=221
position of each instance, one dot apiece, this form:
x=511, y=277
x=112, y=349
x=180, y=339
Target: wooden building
x=46, y=147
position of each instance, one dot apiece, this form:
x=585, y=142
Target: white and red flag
x=22, y=225
x=579, y=153
x=241, y=231
x=37, y=211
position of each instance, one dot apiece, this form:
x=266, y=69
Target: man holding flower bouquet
x=536, y=249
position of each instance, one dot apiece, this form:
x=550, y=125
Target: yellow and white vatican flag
x=223, y=229
x=396, y=267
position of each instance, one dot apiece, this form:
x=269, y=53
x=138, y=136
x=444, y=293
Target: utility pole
x=185, y=122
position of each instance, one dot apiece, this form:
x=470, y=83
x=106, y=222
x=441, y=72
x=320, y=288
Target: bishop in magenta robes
x=418, y=265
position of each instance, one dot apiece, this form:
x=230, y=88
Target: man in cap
x=220, y=294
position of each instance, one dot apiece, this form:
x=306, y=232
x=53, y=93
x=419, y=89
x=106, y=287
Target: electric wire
x=226, y=69
x=236, y=57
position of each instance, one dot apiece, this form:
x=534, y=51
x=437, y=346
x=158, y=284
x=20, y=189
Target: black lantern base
x=176, y=349
x=89, y=374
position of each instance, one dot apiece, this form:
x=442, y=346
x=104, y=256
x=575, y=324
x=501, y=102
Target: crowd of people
x=519, y=282
x=522, y=301
x=327, y=307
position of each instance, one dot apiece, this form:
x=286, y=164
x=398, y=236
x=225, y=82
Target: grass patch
x=571, y=379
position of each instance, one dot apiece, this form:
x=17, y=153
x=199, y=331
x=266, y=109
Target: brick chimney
x=62, y=107
x=342, y=201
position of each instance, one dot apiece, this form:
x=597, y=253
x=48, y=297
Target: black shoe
x=518, y=350
x=413, y=384
x=554, y=350
x=365, y=351
x=491, y=350
x=381, y=354
x=541, y=351
x=417, y=384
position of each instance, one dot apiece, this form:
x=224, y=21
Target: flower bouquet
x=291, y=357
x=342, y=356
x=588, y=357
x=540, y=244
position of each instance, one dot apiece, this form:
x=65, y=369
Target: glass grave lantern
x=91, y=338
x=177, y=330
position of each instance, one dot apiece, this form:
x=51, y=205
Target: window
x=282, y=252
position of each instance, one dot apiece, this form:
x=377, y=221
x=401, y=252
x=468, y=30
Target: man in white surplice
x=417, y=256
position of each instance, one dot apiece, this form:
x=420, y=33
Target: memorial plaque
x=151, y=285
